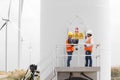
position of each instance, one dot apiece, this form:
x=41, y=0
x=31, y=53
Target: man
x=69, y=48
x=88, y=49
x=77, y=36
x=32, y=73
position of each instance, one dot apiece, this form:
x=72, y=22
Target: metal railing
x=78, y=56
x=58, y=58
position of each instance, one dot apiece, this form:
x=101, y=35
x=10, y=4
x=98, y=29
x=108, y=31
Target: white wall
x=55, y=19
x=115, y=32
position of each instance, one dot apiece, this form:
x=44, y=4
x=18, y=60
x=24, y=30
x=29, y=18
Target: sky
x=30, y=34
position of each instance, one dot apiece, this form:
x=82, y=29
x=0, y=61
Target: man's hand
x=85, y=45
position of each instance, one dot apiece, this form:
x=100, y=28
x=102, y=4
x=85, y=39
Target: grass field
x=12, y=75
x=115, y=73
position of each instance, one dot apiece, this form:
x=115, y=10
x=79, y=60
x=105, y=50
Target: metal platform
x=63, y=72
x=77, y=69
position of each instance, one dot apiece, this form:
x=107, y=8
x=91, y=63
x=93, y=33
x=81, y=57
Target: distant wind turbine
x=19, y=30
x=6, y=25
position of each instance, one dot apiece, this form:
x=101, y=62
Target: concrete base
x=64, y=76
x=63, y=73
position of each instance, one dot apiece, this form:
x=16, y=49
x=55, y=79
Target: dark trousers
x=69, y=58
x=88, y=59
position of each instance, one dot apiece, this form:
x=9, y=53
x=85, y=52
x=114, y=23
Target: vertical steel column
x=6, y=34
x=6, y=44
x=19, y=33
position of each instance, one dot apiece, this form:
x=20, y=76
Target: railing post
x=56, y=57
x=78, y=58
x=61, y=58
x=78, y=55
x=96, y=56
x=65, y=56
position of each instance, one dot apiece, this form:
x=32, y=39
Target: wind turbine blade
x=9, y=9
x=3, y=25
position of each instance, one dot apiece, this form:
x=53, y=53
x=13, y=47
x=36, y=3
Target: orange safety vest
x=90, y=47
x=69, y=48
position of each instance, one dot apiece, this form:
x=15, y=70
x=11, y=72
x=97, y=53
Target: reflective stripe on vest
x=90, y=47
x=69, y=48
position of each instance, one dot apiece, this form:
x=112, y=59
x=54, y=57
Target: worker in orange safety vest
x=69, y=48
x=88, y=48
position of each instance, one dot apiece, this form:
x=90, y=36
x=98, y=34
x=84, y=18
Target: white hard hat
x=89, y=32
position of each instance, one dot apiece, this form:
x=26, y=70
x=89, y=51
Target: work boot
x=68, y=65
x=90, y=65
x=86, y=65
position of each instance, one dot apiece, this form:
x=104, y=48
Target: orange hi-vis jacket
x=69, y=47
x=88, y=48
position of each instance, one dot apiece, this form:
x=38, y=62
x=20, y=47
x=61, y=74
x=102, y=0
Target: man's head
x=89, y=33
x=76, y=30
x=33, y=67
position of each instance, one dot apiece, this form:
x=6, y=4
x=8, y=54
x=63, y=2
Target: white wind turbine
x=6, y=32
x=19, y=31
